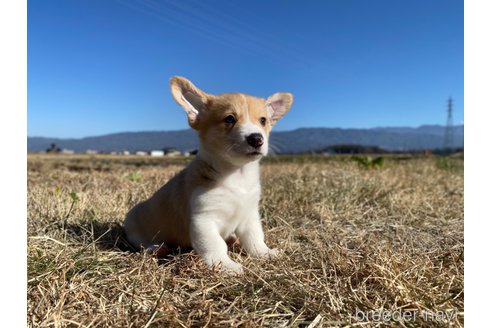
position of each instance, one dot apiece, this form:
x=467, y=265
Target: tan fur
x=170, y=201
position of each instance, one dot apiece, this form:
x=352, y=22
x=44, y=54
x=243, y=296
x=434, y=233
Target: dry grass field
x=360, y=247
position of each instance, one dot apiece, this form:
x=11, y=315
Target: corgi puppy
x=216, y=196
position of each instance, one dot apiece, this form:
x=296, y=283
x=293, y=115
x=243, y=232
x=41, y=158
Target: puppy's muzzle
x=255, y=140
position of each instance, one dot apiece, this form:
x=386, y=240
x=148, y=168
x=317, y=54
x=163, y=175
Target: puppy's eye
x=230, y=119
x=262, y=121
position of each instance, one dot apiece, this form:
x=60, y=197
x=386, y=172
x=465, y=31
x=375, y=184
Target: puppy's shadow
x=110, y=236
x=107, y=235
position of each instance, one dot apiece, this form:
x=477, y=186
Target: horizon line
x=311, y=127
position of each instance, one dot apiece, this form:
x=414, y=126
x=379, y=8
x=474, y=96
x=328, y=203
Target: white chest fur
x=234, y=199
x=243, y=182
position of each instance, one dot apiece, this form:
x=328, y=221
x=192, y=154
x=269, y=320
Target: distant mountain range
x=295, y=141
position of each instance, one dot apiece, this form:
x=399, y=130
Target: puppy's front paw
x=230, y=267
x=272, y=253
x=269, y=253
x=264, y=252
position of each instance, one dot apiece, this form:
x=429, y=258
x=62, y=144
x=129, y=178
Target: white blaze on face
x=250, y=127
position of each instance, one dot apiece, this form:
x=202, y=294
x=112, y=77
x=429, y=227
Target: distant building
x=125, y=152
x=67, y=151
x=156, y=153
x=141, y=153
x=91, y=152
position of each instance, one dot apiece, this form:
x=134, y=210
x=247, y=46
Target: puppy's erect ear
x=192, y=99
x=278, y=105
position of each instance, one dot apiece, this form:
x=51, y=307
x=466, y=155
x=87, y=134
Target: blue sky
x=102, y=66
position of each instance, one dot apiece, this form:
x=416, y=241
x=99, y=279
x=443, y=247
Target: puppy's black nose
x=255, y=140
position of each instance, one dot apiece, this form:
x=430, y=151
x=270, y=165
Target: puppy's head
x=233, y=126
